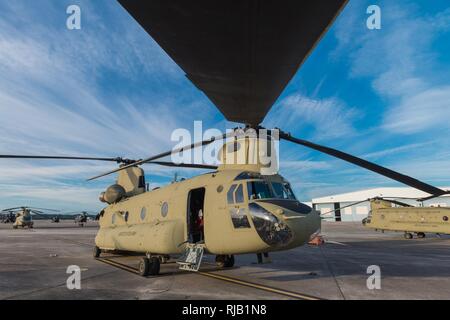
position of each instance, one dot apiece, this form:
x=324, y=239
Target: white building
x=327, y=205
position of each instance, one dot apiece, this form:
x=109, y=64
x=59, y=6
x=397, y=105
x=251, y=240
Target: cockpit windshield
x=259, y=190
x=283, y=191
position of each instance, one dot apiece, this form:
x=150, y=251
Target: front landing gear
x=149, y=266
x=225, y=261
x=96, y=252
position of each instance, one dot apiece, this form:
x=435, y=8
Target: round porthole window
x=113, y=219
x=126, y=216
x=164, y=209
x=445, y=218
x=220, y=189
x=143, y=213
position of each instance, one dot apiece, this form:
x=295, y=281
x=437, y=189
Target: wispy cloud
x=328, y=118
x=104, y=90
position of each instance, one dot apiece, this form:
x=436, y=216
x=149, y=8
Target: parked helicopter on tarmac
x=241, y=55
x=390, y=214
x=23, y=215
x=82, y=217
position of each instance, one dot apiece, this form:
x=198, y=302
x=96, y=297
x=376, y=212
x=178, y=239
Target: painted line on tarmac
x=283, y=292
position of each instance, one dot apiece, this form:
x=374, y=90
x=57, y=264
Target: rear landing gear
x=408, y=235
x=149, y=266
x=225, y=261
x=420, y=235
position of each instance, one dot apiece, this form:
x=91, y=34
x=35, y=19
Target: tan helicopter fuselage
x=235, y=221
x=23, y=219
x=384, y=216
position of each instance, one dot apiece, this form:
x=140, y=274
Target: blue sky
x=109, y=90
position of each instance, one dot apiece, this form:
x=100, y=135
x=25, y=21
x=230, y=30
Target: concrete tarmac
x=33, y=265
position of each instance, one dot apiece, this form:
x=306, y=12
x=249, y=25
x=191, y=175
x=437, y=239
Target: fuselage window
x=143, y=213
x=113, y=219
x=230, y=193
x=239, y=194
x=239, y=218
x=258, y=190
x=164, y=209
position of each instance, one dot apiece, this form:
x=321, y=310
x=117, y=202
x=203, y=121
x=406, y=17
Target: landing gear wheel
x=143, y=266
x=225, y=261
x=420, y=235
x=154, y=267
x=149, y=266
x=408, y=235
x=97, y=251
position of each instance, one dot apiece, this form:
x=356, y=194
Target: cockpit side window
x=239, y=194
x=230, y=193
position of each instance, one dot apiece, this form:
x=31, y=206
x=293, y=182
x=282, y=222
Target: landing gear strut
x=225, y=261
x=96, y=252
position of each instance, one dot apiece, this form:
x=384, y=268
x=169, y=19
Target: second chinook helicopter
x=241, y=54
x=23, y=216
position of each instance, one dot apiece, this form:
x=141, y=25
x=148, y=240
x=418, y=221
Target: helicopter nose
x=304, y=227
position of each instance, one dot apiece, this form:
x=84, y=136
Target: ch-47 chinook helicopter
x=241, y=54
x=390, y=214
x=393, y=215
x=23, y=215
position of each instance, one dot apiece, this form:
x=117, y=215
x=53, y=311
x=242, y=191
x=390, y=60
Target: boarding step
x=192, y=257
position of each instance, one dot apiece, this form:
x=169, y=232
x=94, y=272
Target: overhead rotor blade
x=13, y=156
x=412, y=182
x=165, y=154
x=42, y=209
x=183, y=165
x=240, y=54
x=9, y=209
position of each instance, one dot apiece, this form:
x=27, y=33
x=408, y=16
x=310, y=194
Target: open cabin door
x=195, y=215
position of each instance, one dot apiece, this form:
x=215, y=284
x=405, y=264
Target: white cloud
x=54, y=99
x=329, y=118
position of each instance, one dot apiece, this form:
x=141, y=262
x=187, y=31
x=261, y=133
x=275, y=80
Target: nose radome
x=303, y=227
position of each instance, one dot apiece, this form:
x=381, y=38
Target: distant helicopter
x=82, y=217
x=388, y=214
x=9, y=217
x=23, y=215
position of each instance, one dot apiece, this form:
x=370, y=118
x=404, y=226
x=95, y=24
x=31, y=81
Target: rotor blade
x=350, y=205
x=258, y=45
x=43, y=209
x=183, y=165
x=14, y=156
x=412, y=182
x=165, y=154
x=9, y=209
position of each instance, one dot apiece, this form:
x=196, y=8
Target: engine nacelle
x=113, y=194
